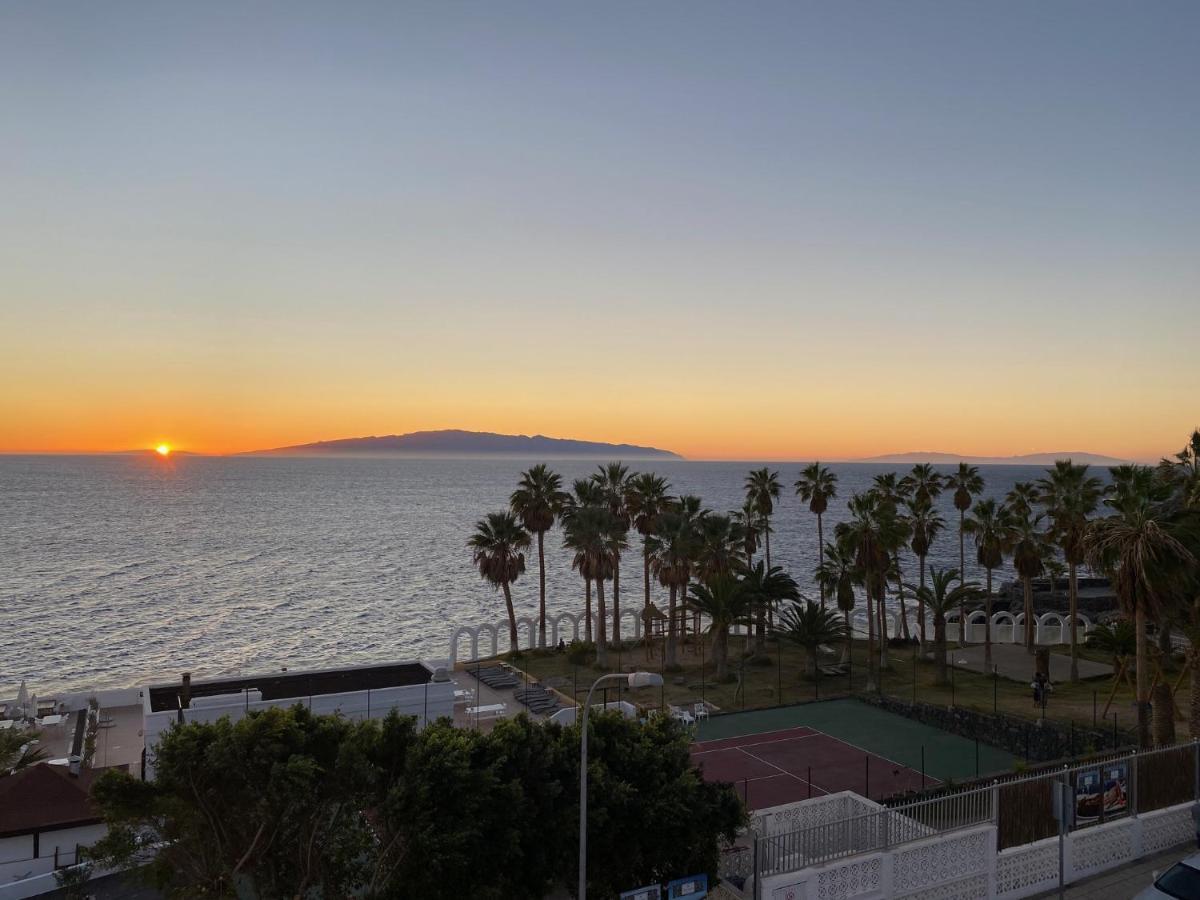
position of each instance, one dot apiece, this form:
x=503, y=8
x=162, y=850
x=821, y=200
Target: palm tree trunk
x=811, y=653
x=602, y=624
x=512, y=617
x=672, y=637
x=541, y=589
x=1164, y=715
x=1142, y=663
x=903, y=609
x=1027, y=587
x=881, y=608
x=987, y=623
x=962, y=578
x=646, y=570
x=849, y=638
x=721, y=651
x=1164, y=639
x=921, y=603
x=767, y=539
x=587, y=610
x=1072, y=612
x=616, y=604
x=760, y=629
x=870, y=642
x=1194, y=711
x=821, y=555
x=939, y=649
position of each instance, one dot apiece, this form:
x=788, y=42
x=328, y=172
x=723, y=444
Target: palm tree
x=767, y=589
x=538, y=501
x=762, y=489
x=725, y=601
x=720, y=546
x=923, y=484
x=873, y=532
x=811, y=625
x=926, y=524
x=747, y=520
x=1183, y=472
x=497, y=551
x=1138, y=548
x=988, y=524
x=647, y=498
x=1070, y=496
x=595, y=536
x=586, y=496
x=967, y=484
x=613, y=481
x=1026, y=545
x=942, y=596
x=816, y=486
x=18, y=750
x=673, y=548
x=835, y=574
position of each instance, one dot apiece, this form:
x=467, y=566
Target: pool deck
x=1013, y=661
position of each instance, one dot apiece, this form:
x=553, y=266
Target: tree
x=1026, y=545
x=872, y=533
x=892, y=489
x=586, y=496
x=762, y=490
x=1071, y=497
x=272, y=803
x=748, y=521
x=835, y=574
x=816, y=486
x=988, y=524
x=613, y=481
x=596, y=538
x=923, y=483
x=811, y=625
x=726, y=602
x=1182, y=472
x=926, y=524
x=767, y=589
x=967, y=484
x=19, y=750
x=1138, y=547
x=942, y=596
x=538, y=501
x=647, y=497
x=497, y=550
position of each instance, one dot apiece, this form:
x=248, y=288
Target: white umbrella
x=22, y=697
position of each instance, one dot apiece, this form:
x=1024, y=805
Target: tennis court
x=792, y=753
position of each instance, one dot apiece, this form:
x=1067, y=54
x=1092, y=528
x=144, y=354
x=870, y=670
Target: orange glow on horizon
x=163, y=449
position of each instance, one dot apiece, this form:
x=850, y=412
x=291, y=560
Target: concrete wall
x=16, y=853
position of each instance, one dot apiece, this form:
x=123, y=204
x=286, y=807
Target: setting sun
x=163, y=449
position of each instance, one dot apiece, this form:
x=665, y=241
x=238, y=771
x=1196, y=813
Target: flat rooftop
x=288, y=685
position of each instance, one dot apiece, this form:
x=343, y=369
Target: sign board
x=694, y=887
x=650, y=892
x=1102, y=792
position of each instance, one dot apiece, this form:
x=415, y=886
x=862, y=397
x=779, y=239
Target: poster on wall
x=1089, y=799
x=1116, y=790
x=1102, y=794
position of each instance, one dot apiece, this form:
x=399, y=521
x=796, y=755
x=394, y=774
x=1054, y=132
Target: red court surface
x=776, y=767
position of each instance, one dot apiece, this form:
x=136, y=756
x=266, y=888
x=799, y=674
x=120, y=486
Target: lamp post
x=634, y=680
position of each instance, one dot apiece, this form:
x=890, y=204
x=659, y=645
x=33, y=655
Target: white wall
x=16, y=853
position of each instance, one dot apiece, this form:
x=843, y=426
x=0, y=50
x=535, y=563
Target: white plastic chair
x=700, y=710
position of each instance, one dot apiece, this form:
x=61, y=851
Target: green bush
x=581, y=653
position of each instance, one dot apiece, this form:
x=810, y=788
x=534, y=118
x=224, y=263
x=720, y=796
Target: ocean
x=116, y=570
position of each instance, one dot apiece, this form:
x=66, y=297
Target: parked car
x=1181, y=881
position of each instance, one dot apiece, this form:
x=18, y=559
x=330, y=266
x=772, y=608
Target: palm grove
x=1138, y=527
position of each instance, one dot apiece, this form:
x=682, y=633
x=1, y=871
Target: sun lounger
x=489, y=711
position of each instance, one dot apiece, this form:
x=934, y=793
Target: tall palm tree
x=594, y=535
x=835, y=574
x=762, y=489
x=816, y=486
x=647, y=498
x=891, y=488
x=585, y=495
x=768, y=588
x=613, y=480
x=19, y=750
x=967, y=484
x=497, y=551
x=941, y=597
x=538, y=501
x=673, y=549
x=719, y=550
x=1138, y=547
x=747, y=520
x=810, y=626
x=1026, y=545
x=872, y=532
x=926, y=524
x=988, y=524
x=1183, y=471
x=1070, y=496
x=726, y=602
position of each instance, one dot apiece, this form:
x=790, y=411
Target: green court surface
x=946, y=756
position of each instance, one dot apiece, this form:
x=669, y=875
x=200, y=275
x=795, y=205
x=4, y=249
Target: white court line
x=781, y=771
x=760, y=733
x=799, y=737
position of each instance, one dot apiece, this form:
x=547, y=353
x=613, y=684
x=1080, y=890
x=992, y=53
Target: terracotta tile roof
x=44, y=797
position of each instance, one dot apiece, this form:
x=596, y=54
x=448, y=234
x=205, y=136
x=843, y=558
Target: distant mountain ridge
x=467, y=443
x=1027, y=459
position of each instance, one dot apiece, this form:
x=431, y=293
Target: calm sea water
x=116, y=570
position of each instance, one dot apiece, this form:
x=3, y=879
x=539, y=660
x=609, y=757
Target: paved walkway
x=1125, y=882
x=1013, y=661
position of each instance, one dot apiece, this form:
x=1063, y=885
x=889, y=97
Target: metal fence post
x=1133, y=785
x=1195, y=770
x=757, y=891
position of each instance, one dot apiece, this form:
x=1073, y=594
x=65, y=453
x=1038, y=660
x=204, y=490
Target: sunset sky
x=766, y=230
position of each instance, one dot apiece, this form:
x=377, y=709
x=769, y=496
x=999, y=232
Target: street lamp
x=634, y=680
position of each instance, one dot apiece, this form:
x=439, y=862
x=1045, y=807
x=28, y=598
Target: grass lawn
x=781, y=679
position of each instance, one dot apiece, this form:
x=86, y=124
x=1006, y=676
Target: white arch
x=487, y=628
x=556, y=621
x=461, y=632
x=1004, y=628
x=531, y=630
